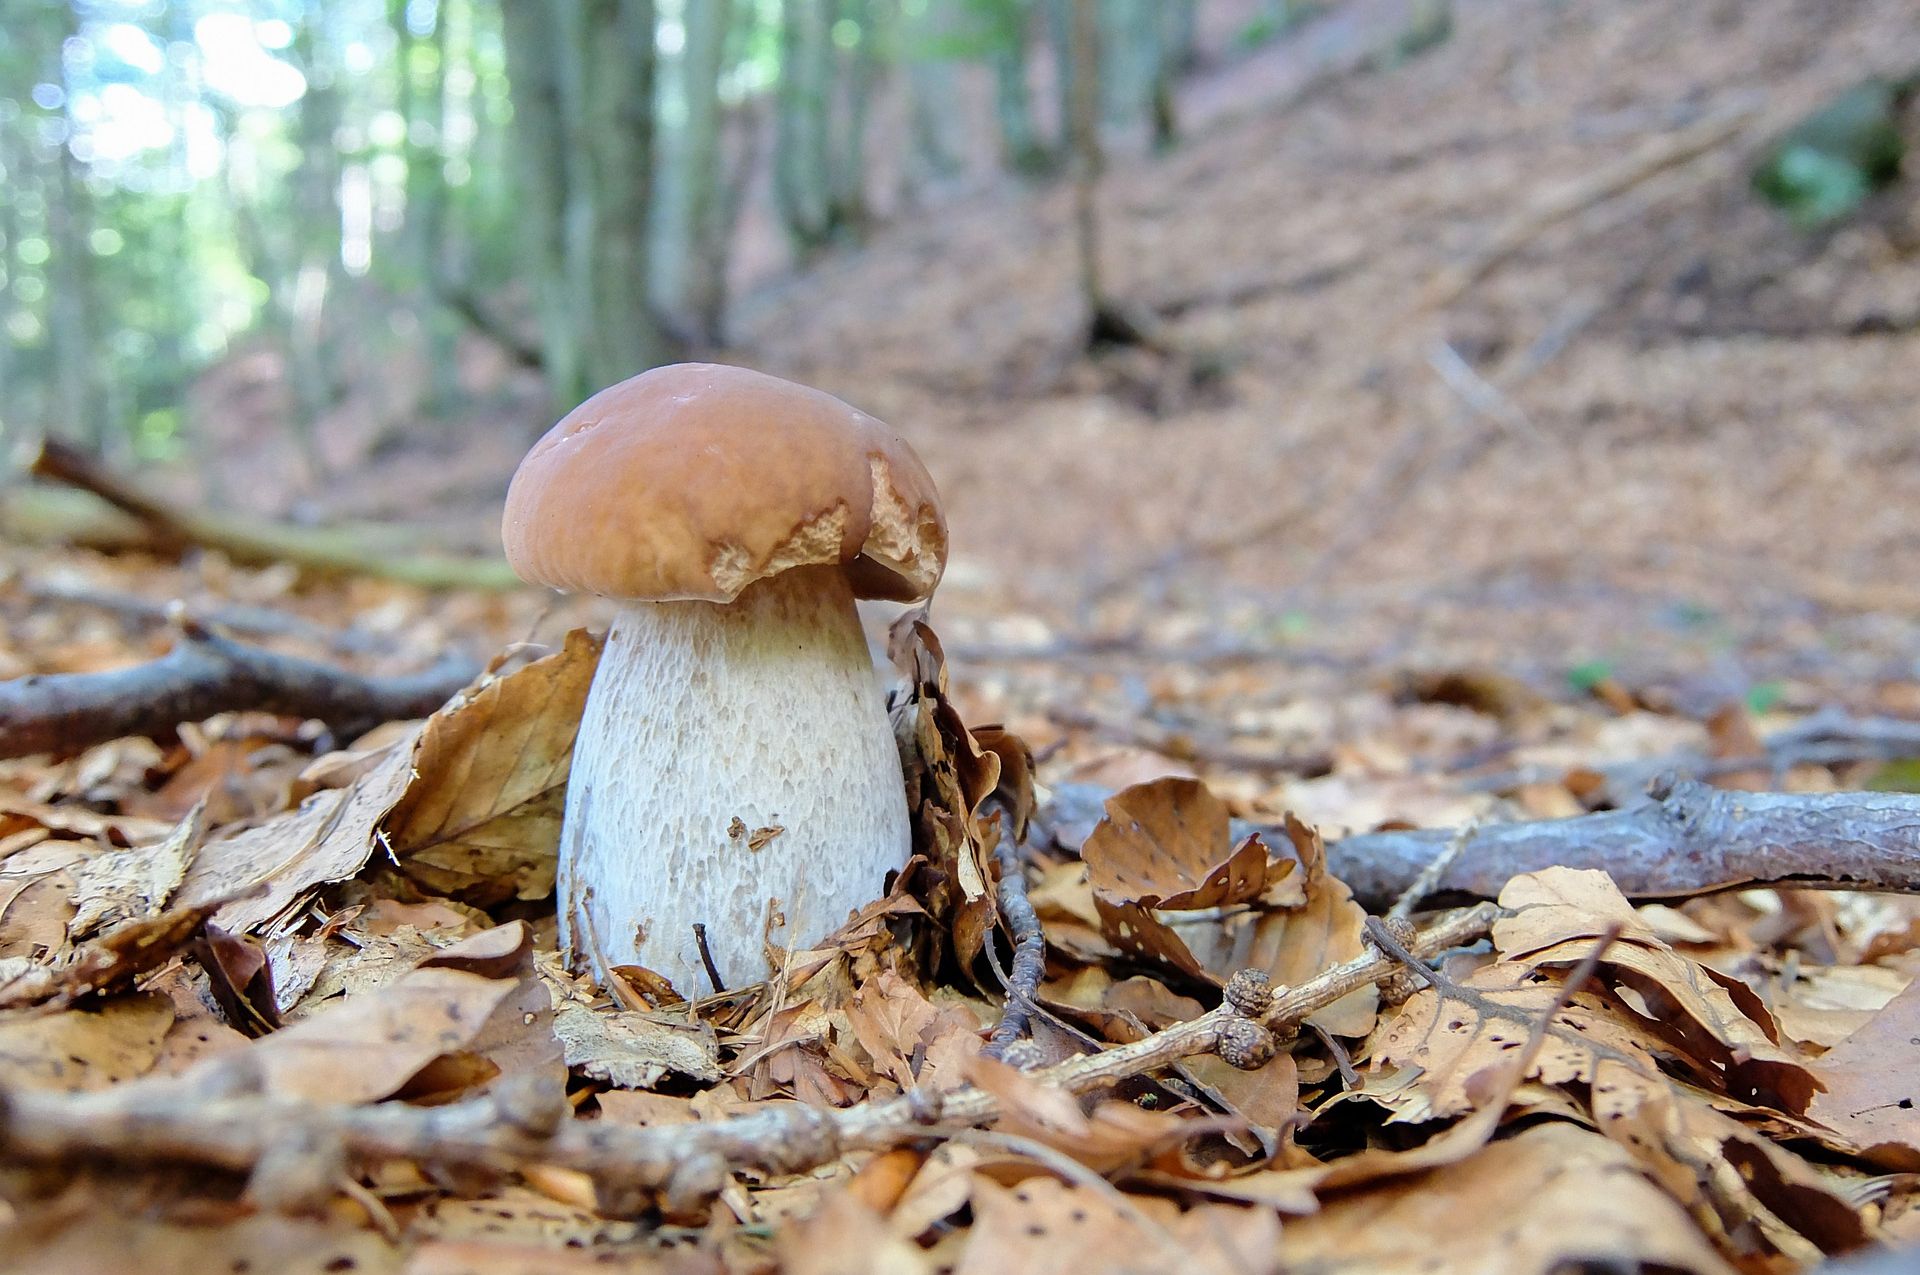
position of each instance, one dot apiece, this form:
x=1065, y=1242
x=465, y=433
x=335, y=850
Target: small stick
x=706, y=959
x=206, y=674
x=1029, y=950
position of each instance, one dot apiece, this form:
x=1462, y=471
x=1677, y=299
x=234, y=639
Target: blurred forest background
x=1231, y=308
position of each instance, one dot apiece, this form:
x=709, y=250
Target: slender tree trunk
x=1084, y=154
x=1020, y=146
x=848, y=212
x=932, y=99
x=801, y=163
x=71, y=303
x=705, y=216
x=316, y=259
x=583, y=137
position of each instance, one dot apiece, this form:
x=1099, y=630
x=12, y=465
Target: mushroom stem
x=731, y=755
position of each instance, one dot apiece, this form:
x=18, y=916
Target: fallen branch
x=1656, y=156
x=162, y=1123
x=235, y=617
x=1029, y=950
x=362, y=549
x=1189, y=744
x=205, y=674
x=1682, y=840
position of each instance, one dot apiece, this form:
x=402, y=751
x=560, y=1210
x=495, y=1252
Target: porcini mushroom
x=735, y=749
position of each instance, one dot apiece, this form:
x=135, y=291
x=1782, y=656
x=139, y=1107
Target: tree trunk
x=801, y=167
x=847, y=211
x=704, y=296
x=77, y=407
x=316, y=258
x=1020, y=146
x=1084, y=155
x=582, y=75
x=932, y=99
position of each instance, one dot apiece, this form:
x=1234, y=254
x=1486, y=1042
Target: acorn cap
x=694, y=480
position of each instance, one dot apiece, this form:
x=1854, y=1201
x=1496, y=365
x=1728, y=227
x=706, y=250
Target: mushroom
x=734, y=762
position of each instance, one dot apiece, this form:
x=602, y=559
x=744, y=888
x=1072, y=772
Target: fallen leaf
x=1552, y=1198
x=123, y=885
x=368, y=1047
x=1046, y=1225
x=1872, y=1096
x=631, y=1050
x=81, y=1049
x=482, y=821
x=1167, y=844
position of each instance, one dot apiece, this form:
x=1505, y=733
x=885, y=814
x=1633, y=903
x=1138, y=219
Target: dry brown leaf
x=1454, y=1044
x=123, y=885
x=478, y=778
x=889, y=1018
x=1872, y=1081
x=108, y=1240
x=949, y=778
x=1696, y=1011
x=368, y=1047
x=36, y=898
x=327, y=838
x=80, y=1049
x=1046, y=1225
x=1113, y=1136
x=845, y=1237
x=1167, y=844
x=632, y=1050
x=1553, y=1198
x=1716, y=1020
x=482, y=822
x=1557, y=904
x=1754, y=1198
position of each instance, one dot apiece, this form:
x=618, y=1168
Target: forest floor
x=1369, y=540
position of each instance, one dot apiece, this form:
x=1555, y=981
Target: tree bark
x=582, y=74
x=1084, y=152
x=707, y=227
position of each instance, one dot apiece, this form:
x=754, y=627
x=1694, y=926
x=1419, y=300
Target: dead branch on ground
x=1656, y=156
x=236, y=617
x=1682, y=840
x=206, y=674
x=1029, y=949
x=165, y=1123
x=355, y=549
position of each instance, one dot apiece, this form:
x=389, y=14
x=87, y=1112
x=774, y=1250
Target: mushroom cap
x=693, y=480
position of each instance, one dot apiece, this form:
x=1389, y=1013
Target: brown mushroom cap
x=694, y=480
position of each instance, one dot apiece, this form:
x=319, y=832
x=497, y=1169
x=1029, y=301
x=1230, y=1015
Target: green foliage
x=1276, y=19
x=1895, y=776
x=1826, y=166
x=1585, y=676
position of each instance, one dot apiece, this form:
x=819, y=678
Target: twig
x=706, y=959
x=236, y=617
x=1416, y=893
x=359, y=550
x=203, y=675
x=159, y=1122
x=1684, y=840
x=1189, y=745
x=1029, y=950
x=1656, y=156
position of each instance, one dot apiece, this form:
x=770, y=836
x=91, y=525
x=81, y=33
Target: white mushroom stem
x=731, y=756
